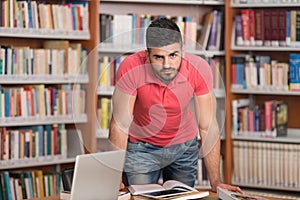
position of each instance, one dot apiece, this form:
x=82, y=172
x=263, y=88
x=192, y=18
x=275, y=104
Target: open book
x=169, y=190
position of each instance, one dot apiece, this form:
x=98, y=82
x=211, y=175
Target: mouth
x=167, y=71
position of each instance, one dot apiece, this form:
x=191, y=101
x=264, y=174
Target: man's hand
x=122, y=186
x=228, y=187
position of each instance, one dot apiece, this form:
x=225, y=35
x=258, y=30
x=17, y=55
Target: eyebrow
x=168, y=54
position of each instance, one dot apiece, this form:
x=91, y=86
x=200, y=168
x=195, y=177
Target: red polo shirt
x=162, y=113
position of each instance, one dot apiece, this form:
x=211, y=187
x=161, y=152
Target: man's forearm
x=212, y=163
x=117, y=137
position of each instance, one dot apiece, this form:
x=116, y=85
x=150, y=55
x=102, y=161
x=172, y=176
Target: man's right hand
x=122, y=186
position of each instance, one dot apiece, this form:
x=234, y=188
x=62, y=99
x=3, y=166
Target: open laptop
x=97, y=176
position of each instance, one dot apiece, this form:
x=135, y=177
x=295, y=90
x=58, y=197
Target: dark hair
x=162, y=32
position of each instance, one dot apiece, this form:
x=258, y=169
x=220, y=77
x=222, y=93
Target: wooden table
x=212, y=196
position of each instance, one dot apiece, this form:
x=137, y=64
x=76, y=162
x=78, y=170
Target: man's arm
x=205, y=106
x=123, y=105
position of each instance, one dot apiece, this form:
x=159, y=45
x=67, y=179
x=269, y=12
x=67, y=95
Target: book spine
x=246, y=26
x=259, y=27
x=288, y=28
x=239, y=40
x=213, y=32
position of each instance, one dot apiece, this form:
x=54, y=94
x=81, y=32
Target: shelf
x=44, y=33
x=264, y=5
x=207, y=53
x=263, y=48
x=114, y=49
x=292, y=137
x=102, y=133
x=34, y=162
x=280, y=188
x=34, y=120
x=105, y=90
x=43, y=79
x=189, y=2
x=264, y=92
x=108, y=91
x=219, y=93
x=117, y=49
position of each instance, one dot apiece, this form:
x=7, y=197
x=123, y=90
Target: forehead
x=166, y=50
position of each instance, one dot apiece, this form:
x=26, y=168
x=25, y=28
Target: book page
x=172, y=184
x=144, y=188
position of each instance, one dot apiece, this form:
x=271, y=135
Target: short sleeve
x=125, y=78
x=201, y=76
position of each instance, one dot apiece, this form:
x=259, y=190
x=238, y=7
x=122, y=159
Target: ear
x=148, y=55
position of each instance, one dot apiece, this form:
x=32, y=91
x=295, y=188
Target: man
x=156, y=91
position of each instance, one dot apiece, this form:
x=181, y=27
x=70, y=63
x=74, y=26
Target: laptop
x=97, y=176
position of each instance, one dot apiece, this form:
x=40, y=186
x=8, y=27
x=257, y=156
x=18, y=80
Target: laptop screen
x=97, y=175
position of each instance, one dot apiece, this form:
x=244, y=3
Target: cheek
x=156, y=66
x=176, y=63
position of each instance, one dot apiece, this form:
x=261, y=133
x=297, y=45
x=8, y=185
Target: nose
x=167, y=62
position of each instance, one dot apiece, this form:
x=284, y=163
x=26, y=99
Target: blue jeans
x=145, y=162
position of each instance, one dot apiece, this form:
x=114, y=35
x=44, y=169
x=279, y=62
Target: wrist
x=215, y=184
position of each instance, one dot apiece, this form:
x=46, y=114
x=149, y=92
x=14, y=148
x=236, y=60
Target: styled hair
x=162, y=32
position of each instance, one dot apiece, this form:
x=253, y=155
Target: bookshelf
x=195, y=9
x=77, y=118
x=259, y=95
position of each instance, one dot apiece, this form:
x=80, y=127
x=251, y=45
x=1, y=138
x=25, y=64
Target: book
x=246, y=26
x=212, y=41
x=259, y=27
x=224, y=194
x=206, y=26
x=281, y=118
x=186, y=196
x=239, y=40
x=146, y=188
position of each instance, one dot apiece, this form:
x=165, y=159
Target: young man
x=156, y=91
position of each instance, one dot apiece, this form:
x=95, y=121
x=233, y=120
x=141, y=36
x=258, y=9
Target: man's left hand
x=229, y=187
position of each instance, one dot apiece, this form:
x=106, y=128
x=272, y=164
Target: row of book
x=39, y=15
x=266, y=164
x=131, y=26
x=218, y=69
x=108, y=67
x=56, y=58
x=18, y=185
x=129, y=29
x=33, y=142
x=211, y=34
x=261, y=72
x=269, y=119
x=41, y=100
x=267, y=27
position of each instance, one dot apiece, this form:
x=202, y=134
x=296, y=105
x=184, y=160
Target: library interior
x=59, y=90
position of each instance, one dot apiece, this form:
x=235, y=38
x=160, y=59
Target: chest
x=173, y=99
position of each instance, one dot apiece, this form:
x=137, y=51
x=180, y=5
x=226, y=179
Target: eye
x=173, y=55
x=157, y=57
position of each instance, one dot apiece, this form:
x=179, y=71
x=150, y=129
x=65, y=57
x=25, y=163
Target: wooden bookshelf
x=34, y=38
x=280, y=53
